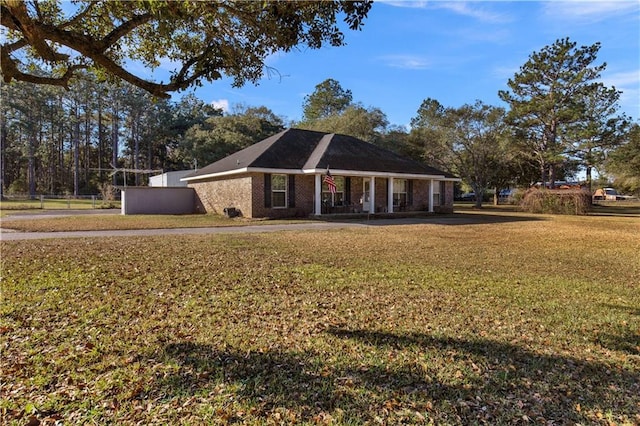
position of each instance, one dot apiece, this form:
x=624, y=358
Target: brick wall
x=214, y=195
x=447, y=203
x=303, y=198
x=356, y=193
x=246, y=193
x=381, y=195
x=420, y=196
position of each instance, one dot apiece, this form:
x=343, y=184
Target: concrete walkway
x=6, y=235
x=312, y=225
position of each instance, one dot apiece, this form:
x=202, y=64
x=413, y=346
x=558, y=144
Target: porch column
x=317, y=198
x=372, y=198
x=390, y=195
x=431, y=183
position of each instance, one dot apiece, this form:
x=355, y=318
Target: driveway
x=13, y=236
x=312, y=225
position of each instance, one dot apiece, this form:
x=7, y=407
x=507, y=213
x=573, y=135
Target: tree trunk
x=136, y=151
x=479, y=196
x=114, y=143
x=543, y=174
x=32, y=165
x=76, y=154
x=87, y=146
x=100, y=142
x=3, y=148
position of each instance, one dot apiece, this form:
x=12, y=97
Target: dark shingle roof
x=297, y=149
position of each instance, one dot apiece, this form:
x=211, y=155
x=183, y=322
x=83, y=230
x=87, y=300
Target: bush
x=18, y=186
x=108, y=195
x=556, y=201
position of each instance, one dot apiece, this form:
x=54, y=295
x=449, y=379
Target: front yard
x=514, y=321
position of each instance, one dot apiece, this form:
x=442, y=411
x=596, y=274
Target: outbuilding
x=285, y=176
x=169, y=179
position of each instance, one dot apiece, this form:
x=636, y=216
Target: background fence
x=56, y=201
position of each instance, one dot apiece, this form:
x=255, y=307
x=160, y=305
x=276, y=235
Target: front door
x=366, y=194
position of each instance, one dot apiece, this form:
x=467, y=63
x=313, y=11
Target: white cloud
x=471, y=9
x=622, y=79
x=222, y=104
x=628, y=82
x=588, y=11
x=479, y=13
x=409, y=4
x=412, y=62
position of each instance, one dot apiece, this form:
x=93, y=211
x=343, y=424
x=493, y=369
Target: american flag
x=328, y=179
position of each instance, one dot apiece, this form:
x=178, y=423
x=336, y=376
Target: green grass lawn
x=510, y=322
x=12, y=206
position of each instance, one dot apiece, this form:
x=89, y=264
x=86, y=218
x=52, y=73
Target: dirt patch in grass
x=512, y=322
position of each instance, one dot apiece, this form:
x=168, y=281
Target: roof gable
x=307, y=150
x=349, y=153
x=291, y=150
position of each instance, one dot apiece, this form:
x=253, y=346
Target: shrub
x=18, y=186
x=108, y=195
x=556, y=201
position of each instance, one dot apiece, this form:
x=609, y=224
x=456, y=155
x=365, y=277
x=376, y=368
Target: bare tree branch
x=21, y=21
x=226, y=36
x=10, y=71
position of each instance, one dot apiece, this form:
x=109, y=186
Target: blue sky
x=452, y=51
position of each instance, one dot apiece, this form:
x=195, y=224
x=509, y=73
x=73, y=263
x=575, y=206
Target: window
x=437, y=187
x=336, y=199
x=278, y=191
x=438, y=193
x=400, y=192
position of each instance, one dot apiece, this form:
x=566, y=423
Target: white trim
x=366, y=195
x=245, y=170
x=372, y=195
x=338, y=172
x=335, y=172
x=219, y=174
x=390, y=195
x=318, y=194
x=430, y=203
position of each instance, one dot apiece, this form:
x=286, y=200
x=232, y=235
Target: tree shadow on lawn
x=482, y=218
x=438, y=219
x=510, y=381
x=627, y=337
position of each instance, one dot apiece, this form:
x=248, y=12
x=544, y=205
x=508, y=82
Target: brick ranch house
x=282, y=176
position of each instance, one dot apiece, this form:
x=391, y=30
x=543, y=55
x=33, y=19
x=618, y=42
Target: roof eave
x=365, y=173
x=315, y=171
x=243, y=171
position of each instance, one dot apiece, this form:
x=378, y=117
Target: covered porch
x=359, y=193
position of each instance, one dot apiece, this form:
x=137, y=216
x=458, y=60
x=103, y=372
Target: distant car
x=468, y=196
x=609, y=194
